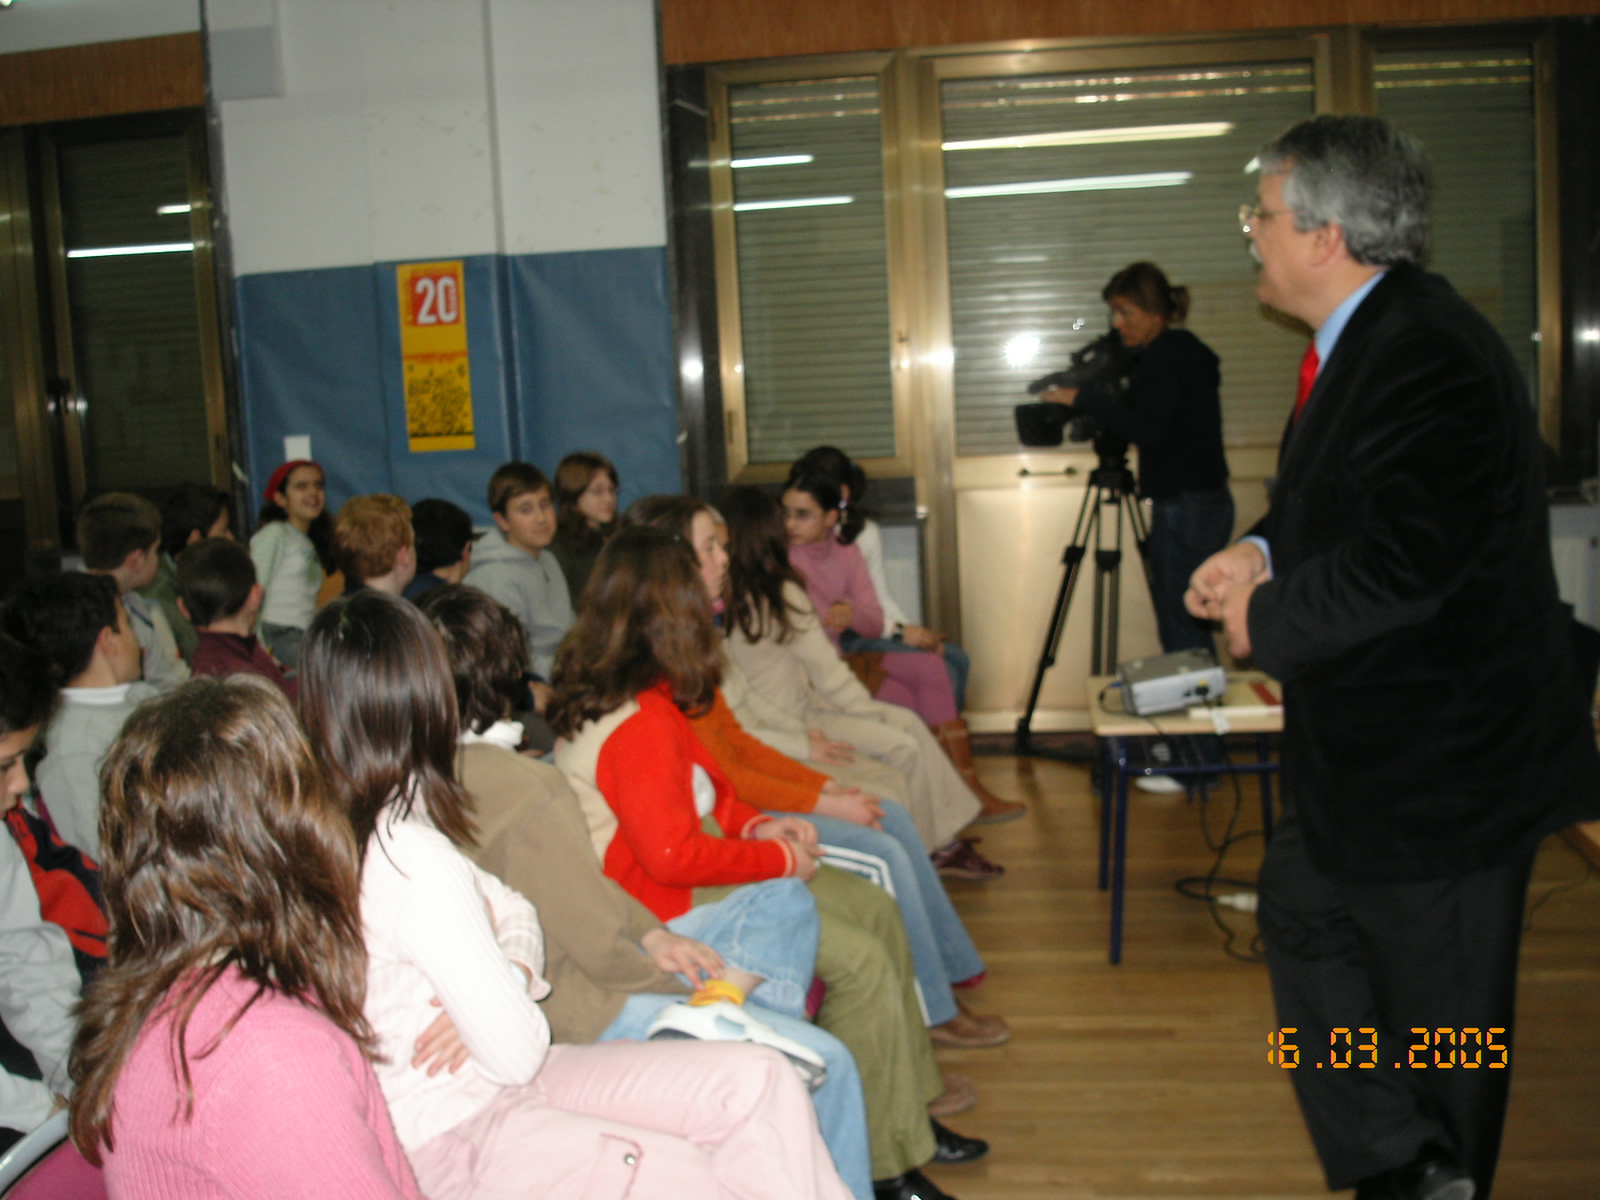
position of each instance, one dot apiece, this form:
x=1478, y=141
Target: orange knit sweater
x=760, y=775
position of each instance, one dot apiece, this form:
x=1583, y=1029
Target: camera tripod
x=1111, y=485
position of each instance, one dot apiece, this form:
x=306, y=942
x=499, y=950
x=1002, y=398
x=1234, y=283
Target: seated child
x=482, y=1102
x=119, y=534
x=223, y=1052
x=219, y=593
x=511, y=565
x=36, y=961
x=373, y=544
x=189, y=512
x=617, y=971
x=78, y=623
x=586, y=515
x=666, y=823
x=291, y=550
x=444, y=545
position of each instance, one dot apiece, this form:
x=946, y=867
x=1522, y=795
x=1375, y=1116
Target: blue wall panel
x=309, y=363
x=593, y=358
x=568, y=352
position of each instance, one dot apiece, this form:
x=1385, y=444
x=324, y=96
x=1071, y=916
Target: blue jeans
x=769, y=929
x=1185, y=530
x=940, y=947
x=956, y=660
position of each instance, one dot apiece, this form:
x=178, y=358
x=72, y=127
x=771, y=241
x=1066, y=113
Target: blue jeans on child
x=770, y=929
x=941, y=949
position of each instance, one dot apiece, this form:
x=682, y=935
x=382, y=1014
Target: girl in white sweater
x=482, y=1103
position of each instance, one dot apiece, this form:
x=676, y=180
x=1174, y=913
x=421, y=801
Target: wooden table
x=1253, y=703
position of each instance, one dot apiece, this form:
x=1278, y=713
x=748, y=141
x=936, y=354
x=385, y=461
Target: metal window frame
x=934, y=345
x=1541, y=43
x=919, y=288
x=886, y=68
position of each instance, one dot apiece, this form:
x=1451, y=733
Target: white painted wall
x=415, y=129
x=577, y=104
x=46, y=24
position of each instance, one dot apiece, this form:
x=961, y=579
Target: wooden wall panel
x=102, y=80
x=705, y=31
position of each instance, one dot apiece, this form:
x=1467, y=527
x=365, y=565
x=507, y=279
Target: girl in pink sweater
x=223, y=1052
x=840, y=588
x=483, y=1103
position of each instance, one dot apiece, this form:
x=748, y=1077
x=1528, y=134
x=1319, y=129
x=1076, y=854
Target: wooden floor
x=1151, y=1079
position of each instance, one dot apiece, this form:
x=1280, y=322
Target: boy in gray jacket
x=78, y=623
x=511, y=565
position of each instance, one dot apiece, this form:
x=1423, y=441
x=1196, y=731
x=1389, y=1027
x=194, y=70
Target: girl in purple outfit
x=840, y=588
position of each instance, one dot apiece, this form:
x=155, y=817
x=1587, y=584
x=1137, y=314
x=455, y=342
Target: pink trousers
x=642, y=1120
x=921, y=683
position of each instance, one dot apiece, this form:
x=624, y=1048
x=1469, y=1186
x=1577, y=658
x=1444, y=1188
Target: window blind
x=812, y=266
x=1054, y=183
x=134, y=315
x=1473, y=111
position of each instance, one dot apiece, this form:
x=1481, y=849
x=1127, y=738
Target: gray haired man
x=1401, y=588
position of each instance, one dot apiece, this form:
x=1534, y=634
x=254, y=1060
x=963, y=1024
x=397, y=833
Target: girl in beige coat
x=777, y=642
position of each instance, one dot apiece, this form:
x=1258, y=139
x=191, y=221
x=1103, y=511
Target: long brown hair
x=758, y=565
x=379, y=706
x=223, y=850
x=1146, y=285
x=671, y=514
x=645, y=617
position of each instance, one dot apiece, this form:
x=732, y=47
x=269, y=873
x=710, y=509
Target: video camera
x=1102, y=374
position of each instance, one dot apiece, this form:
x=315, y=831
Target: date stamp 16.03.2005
x=1357, y=1049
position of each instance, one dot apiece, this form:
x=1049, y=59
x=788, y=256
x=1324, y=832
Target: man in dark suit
x=1401, y=588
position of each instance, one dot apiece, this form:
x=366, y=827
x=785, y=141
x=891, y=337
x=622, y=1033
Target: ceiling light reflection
x=172, y=210
x=118, y=251
x=1089, y=183
x=808, y=202
x=773, y=160
x=1097, y=137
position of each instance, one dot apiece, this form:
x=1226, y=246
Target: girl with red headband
x=290, y=552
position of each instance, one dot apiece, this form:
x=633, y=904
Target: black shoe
x=953, y=1149
x=913, y=1185
x=1432, y=1175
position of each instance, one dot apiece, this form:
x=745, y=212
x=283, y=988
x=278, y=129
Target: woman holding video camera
x=1173, y=413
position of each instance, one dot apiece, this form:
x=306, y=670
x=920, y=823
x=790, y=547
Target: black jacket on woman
x=1173, y=414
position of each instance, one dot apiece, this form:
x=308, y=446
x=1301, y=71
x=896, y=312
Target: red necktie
x=1308, y=376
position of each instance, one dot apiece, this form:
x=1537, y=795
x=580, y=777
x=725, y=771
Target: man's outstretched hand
x=1220, y=590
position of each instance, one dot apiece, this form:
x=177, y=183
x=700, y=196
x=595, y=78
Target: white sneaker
x=1158, y=785
x=727, y=1022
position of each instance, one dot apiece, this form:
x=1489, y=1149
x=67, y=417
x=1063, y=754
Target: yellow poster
x=433, y=356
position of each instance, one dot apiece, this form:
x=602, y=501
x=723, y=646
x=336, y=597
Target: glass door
x=1054, y=171
x=113, y=357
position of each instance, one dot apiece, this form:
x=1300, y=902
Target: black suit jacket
x=1434, y=722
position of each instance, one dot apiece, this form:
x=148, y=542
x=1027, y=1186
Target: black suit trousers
x=1438, y=956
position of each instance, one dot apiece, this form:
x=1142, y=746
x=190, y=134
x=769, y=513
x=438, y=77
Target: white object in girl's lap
x=727, y=1022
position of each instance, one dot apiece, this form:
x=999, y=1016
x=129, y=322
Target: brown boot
x=957, y=744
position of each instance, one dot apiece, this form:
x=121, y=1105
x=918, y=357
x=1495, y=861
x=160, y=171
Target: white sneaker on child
x=727, y=1022
x=1158, y=785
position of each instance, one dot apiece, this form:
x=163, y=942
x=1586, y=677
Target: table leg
x=1113, y=754
x=1119, y=858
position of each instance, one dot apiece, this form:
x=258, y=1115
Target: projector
x=1169, y=682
